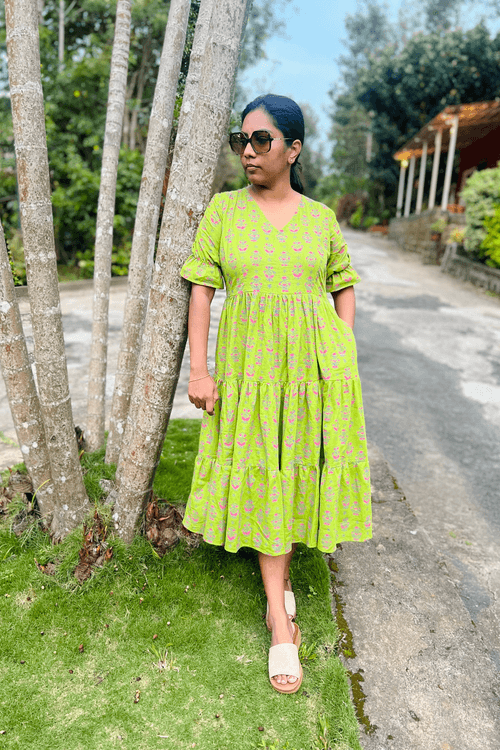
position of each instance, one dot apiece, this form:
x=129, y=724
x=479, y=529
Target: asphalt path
x=429, y=359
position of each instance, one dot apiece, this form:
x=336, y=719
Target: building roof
x=474, y=122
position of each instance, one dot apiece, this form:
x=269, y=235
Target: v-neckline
x=250, y=197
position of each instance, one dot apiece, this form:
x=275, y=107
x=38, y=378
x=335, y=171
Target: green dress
x=283, y=459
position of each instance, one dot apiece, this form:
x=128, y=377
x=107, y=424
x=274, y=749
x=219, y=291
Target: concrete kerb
x=73, y=286
x=421, y=674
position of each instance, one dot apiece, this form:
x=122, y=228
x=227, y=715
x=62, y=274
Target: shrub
x=482, y=197
x=355, y=220
x=457, y=235
x=491, y=243
x=370, y=221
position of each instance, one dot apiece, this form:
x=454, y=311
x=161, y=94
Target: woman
x=282, y=453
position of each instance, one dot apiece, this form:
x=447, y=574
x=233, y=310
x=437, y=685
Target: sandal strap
x=284, y=659
x=290, y=606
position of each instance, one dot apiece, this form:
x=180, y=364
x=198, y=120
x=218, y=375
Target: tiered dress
x=283, y=459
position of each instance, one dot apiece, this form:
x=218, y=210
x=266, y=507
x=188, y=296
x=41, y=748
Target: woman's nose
x=248, y=150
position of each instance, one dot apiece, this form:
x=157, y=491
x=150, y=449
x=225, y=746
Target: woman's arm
x=203, y=391
x=345, y=304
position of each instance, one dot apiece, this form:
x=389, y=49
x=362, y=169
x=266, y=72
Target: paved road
x=429, y=359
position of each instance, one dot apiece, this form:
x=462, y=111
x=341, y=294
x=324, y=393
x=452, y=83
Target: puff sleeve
x=339, y=272
x=202, y=266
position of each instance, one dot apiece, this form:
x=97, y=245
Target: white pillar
x=421, y=179
x=401, y=187
x=435, y=168
x=449, y=163
x=409, y=187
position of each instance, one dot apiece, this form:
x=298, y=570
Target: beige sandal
x=284, y=659
x=290, y=606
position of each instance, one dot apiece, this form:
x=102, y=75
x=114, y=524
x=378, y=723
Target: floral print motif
x=284, y=457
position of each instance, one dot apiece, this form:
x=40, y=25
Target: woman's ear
x=295, y=150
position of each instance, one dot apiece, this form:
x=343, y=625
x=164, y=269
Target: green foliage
x=439, y=226
x=370, y=221
x=355, y=220
x=481, y=194
x=491, y=243
x=405, y=88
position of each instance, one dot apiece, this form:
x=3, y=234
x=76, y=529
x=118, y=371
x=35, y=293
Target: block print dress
x=283, y=459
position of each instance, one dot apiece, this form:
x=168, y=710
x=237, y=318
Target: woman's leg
x=273, y=576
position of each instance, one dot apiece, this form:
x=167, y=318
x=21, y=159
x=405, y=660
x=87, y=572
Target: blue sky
x=304, y=66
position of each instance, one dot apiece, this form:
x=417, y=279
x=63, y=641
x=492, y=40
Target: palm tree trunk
x=104, y=227
x=146, y=221
x=21, y=390
x=41, y=268
x=205, y=114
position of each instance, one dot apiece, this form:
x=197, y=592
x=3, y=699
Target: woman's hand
x=345, y=305
x=203, y=394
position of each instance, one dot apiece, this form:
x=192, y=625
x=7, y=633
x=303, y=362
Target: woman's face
x=267, y=169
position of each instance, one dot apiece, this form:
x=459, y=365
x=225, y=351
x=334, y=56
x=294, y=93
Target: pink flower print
x=284, y=258
x=336, y=454
x=284, y=284
x=355, y=509
x=315, y=213
x=307, y=238
x=368, y=524
x=244, y=271
x=256, y=284
x=344, y=524
x=349, y=449
x=276, y=545
x=246, y=529
x=242, y=247
x=298, y=270
x=301, y=507
x=347, y=373
x=236, y=483
x=346, y=500
x=257, y=540
x=301, y=531
x=250, y=371
x=253, y=235
x=255, y=258
x=269, y=347
x=274, y=494
x=267, y=228
x=261, y=490
x=289, y=441
x=246, y=415
x=250, y=343
x=309, y=284
x=229, y=237
x=231, y=261
x=258, y=357
x=222, y=505
x=249, y=506
x=297, y=247
x=269, y=273
x=327, y=518
x=293, y=228
x=268, y=248
x=241, y=224
x=231, y=537
x=276, y=523
x=361, y=433
x=260, y=515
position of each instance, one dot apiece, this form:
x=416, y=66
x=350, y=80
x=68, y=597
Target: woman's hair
x=288, y=117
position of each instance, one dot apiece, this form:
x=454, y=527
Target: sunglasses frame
x=248, y=140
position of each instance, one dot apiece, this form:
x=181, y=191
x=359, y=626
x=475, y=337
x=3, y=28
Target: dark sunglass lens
x=261, y=141
x=237, y=141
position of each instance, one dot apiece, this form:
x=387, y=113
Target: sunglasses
x=260, y=140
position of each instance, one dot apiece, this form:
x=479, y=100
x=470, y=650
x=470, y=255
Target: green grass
x=204, y=605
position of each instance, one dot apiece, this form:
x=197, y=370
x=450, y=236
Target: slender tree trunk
x=21, y=390
x=40, y=7
x=61, y=34
x=127, y=113
x=104, y=227
x=141, y=80
x=41, y=268
x=146, y=220
x=188, y=193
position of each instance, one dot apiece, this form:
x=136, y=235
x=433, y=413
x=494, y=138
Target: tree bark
x=41, y=268
x=104, y=226
x=146, y=221
x=206, y=115
x=141, y=80
x=21, y=390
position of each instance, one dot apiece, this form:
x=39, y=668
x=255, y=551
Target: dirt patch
x=163, y=527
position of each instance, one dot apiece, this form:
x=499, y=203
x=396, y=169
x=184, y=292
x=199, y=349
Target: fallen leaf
x=81, y=648
x=137, y=696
